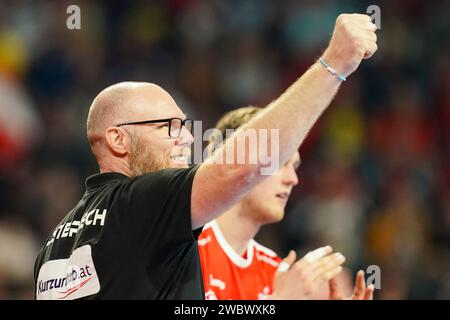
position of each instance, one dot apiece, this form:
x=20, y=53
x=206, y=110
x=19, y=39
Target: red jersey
x=228, y=275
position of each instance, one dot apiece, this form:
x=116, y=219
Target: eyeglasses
x=175, y=125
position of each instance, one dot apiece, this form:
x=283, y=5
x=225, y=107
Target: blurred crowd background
x=375, y=175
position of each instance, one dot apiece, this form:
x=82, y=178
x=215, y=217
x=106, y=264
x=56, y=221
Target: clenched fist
x=353, y=39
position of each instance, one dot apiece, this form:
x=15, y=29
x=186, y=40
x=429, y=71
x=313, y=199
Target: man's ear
x=118, y=140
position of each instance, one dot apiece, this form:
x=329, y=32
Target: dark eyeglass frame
x=167, y=120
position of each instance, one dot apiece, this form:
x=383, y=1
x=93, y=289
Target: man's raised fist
x=353, y=39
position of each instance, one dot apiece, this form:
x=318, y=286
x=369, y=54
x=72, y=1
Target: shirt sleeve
x=155, y=212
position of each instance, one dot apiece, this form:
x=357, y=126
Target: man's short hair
x=236, y=118
x=230, y=120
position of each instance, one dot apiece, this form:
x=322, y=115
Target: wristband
x=331, y=70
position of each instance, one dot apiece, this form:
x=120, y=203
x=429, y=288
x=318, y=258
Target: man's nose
x=185, y=138
x=290, y=177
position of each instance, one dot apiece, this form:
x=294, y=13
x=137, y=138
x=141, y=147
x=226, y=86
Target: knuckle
x=362, y=16
x=341, y=17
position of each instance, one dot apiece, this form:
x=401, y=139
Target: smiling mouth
x=283, y=195
x=179, y=158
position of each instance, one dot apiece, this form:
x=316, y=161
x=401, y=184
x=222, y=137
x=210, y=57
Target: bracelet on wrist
x=331, y=70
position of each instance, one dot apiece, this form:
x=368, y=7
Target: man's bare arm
x=218, y=186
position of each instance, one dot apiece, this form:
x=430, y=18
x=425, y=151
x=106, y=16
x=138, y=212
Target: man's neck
x=238, y=228
x=118, y=166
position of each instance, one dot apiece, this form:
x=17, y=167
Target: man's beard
x=145, y=159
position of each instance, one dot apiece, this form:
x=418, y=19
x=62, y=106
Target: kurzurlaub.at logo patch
x=66, y=279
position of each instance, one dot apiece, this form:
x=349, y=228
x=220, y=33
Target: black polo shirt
x=128, y=238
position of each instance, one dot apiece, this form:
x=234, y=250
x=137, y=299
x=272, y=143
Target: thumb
x=287, y=262
x=334, y=289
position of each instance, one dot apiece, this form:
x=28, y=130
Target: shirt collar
x=100, y=179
